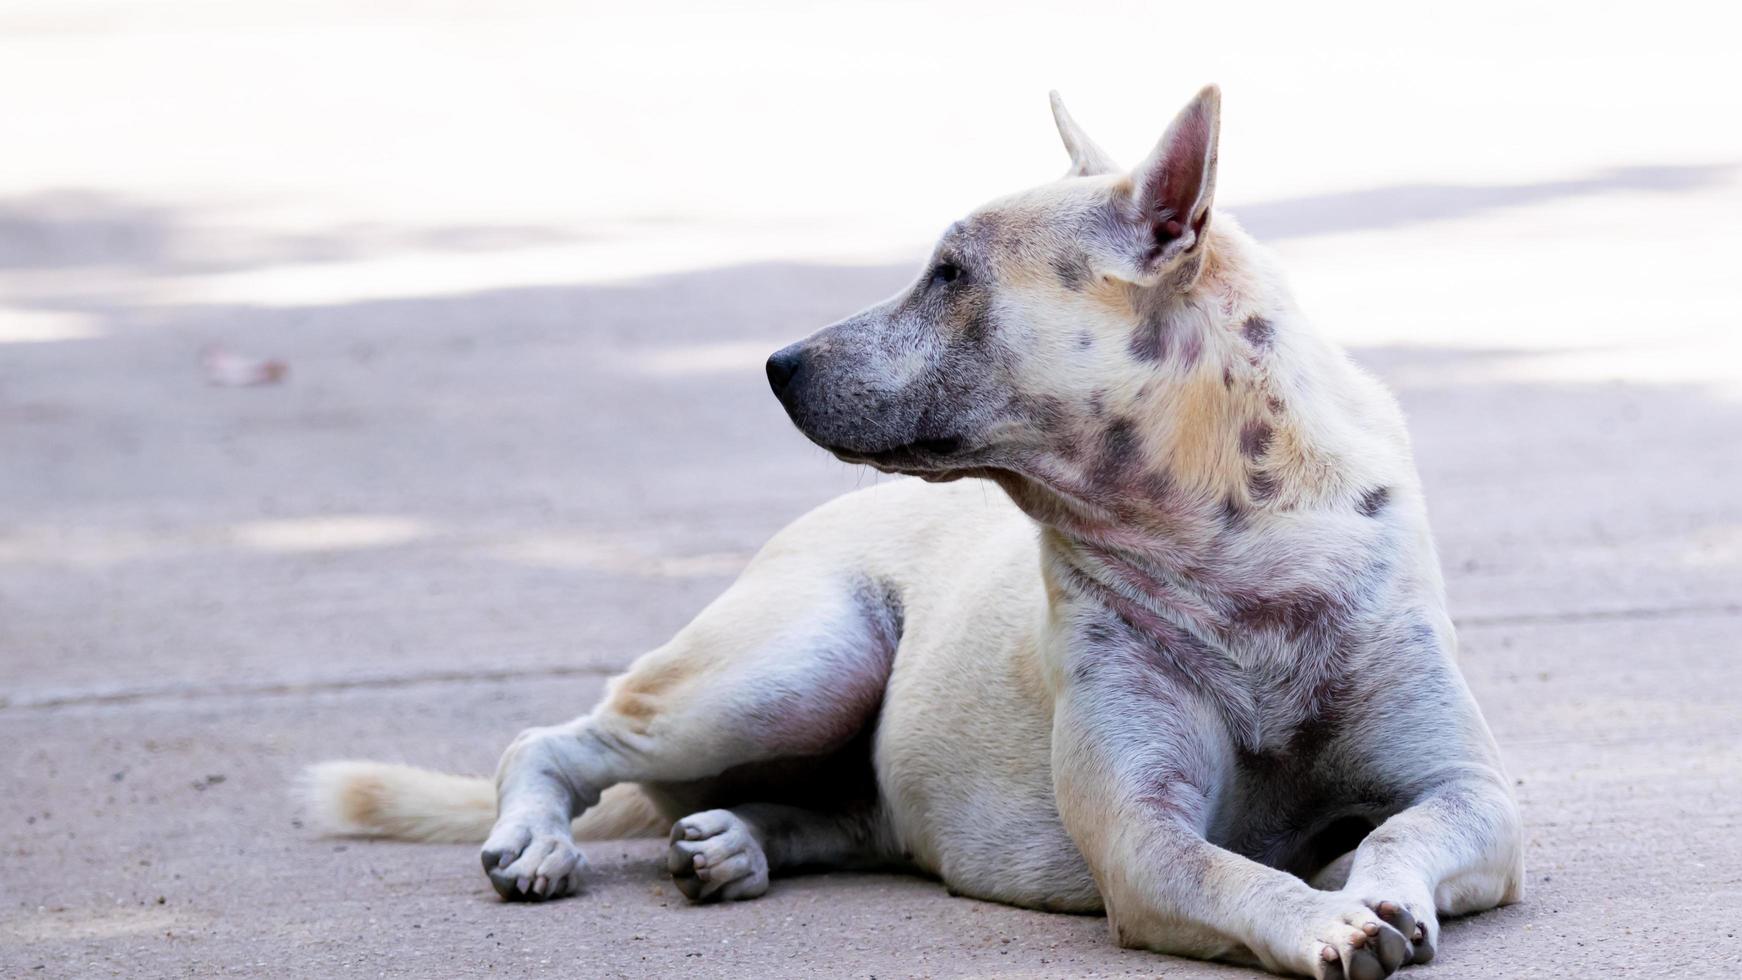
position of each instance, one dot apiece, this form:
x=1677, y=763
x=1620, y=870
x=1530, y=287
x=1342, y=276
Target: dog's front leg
x=1140, y=750
x=545, y=779
x=1458, y=849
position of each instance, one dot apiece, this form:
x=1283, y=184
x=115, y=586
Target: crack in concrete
x=190, y=692
x=1598, y=615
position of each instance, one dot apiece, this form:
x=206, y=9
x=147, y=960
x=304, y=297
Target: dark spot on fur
x=884, y=610
x=1258, y=332
x=1118, y=475
x=1171, y=793
x=1274, y=404
x=1255, y=439
x=1233, y=514
x=1186, y=274
x=1261, y=484
x=1190, y=347
x=1140, y=652
x=1157, y=486
x=984, y=229
x=1149, y=342
x=1085, y=340
x=1227, y=377
x=1117, y=455
x=1098, y=403
x=1052, y=416
x=976, y=320
x=1073, y=271
x=1422, y=633
x=1291, y=612
x=1097, y=633
x=1374, y=500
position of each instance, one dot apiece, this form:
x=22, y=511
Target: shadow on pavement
x=85, y=228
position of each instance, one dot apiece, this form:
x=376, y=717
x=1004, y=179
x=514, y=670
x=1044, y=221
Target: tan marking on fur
x=377, y=799
x=1201, y=454
x=635, y=708
x=637, y=695
x=1026, y=671
x=623, y=811
x=360, y=800
x=1304, y=473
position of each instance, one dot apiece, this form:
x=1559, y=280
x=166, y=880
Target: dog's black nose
x=782, y=366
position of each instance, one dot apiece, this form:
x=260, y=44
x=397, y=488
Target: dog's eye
x=946, y=272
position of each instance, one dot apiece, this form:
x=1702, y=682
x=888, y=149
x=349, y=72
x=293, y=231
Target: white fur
x=353, y=798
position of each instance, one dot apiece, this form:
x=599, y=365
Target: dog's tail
x=380, y=799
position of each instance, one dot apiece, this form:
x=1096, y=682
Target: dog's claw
x=714, y=856
x=1413, y=929
x=530, y=866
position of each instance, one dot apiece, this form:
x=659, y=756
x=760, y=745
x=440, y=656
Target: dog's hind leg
x=730, y=854
x=790, y=662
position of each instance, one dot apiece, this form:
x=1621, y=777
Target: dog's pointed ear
x=1087, y=159
x=1173, y=188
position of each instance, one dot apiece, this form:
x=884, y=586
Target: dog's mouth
x=921, y=457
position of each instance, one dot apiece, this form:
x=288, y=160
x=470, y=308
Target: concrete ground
x=524, y=436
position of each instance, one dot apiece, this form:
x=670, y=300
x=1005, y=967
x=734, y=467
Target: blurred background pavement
x=522, y=261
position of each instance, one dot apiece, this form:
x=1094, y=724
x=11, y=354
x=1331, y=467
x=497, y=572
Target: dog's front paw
x=528, y=864
x=1354, y=942
x=714, y=856
x=1415, y=921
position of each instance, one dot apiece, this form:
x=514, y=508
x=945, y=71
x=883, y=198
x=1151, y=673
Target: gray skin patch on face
x=1259, y=332
x=860, y=393
x=1374, y=501
x=852, y=396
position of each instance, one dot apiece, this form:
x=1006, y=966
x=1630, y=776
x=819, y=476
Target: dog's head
x=1036, y=315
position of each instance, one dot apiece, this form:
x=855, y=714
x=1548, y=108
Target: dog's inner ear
x=1087, y=159
x=1174, y=186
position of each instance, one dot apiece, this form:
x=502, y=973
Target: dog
x=1192, y=668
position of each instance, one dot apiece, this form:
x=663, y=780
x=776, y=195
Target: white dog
x=1191, y=667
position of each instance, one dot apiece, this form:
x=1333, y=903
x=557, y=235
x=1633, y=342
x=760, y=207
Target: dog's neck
x=1237, y=472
